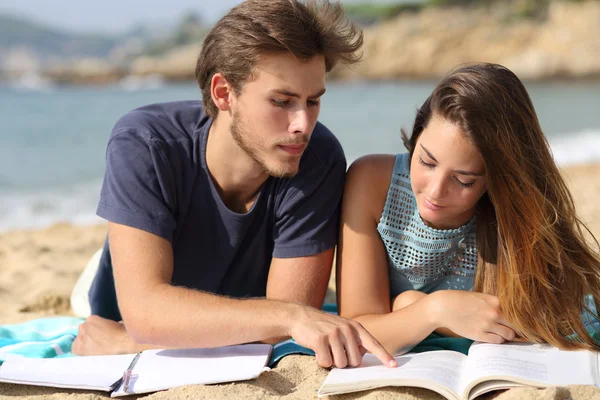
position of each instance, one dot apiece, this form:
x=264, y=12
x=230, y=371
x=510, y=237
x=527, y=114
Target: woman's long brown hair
x=532, y=249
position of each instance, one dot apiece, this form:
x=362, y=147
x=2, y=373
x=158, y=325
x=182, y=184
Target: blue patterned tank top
x=421, y=257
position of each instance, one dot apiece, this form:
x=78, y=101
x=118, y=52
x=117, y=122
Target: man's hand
x=100, y=336
x=336, y=341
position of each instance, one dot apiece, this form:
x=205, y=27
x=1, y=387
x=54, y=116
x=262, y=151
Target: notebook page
x=164, y=369
x=92, y=372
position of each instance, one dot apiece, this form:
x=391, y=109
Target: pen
x=128, y=371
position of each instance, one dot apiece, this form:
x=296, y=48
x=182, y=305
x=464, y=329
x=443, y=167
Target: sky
x=115, y=16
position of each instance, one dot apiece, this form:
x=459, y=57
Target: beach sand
x=38, y=269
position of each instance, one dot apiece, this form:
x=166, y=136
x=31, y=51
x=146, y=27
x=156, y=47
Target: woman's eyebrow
x=458, y=171
x=428, y=153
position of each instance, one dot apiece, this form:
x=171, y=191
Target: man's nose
x=300, y=122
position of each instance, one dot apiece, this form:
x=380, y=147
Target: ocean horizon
x=53, y=140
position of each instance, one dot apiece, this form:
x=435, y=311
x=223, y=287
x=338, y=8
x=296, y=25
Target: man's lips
x=292, y=148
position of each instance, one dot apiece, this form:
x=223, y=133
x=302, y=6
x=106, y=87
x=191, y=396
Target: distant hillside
x=371, y=13
x=46, y=41
x=536, y=39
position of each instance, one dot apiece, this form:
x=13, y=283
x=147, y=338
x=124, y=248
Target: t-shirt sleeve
x=137, y=188
x=307, y=220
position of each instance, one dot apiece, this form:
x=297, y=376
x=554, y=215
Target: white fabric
x=80, y=301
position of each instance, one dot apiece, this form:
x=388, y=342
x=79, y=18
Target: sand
x=38, y=269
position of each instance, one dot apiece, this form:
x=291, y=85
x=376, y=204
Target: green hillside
x=44, y=40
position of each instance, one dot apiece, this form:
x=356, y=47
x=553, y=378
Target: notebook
x=149, y=371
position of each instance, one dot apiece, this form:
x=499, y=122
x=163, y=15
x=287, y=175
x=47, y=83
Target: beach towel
x=53, y=337
x=39, y=338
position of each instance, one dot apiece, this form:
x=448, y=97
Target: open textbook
x=151, y=371
x=455, y=376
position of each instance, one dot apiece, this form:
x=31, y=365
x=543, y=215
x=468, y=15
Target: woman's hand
x=476, y=316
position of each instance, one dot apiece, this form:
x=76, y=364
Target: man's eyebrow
x=286, y=92
x=458, y=171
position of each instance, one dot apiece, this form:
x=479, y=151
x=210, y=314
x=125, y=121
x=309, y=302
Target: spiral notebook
x=149, y=371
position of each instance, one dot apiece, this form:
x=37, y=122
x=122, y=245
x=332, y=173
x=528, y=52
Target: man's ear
x=221, y=92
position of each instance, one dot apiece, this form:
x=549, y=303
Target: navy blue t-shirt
x=157, y=180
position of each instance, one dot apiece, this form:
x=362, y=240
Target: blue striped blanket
x=40, y=338
x=53, y=337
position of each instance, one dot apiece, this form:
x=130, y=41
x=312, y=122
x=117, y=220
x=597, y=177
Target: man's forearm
x=178, y=317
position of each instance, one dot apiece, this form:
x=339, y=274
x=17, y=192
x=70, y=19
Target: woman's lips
x=431, y=206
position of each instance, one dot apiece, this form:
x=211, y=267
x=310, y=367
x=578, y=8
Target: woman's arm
x=363, y=287
x=409, y=297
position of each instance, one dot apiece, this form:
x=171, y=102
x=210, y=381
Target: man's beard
x=250, y=147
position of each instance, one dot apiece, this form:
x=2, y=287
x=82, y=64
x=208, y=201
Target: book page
x=439, y=369
x=537, y=364
x=164, y=369
x=92, y=372
x=491, y=386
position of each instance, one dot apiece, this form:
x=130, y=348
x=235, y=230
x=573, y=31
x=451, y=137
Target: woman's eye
x=426, y=165
x=465, y=185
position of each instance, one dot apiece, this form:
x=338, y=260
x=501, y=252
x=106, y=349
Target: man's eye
x=280, y=103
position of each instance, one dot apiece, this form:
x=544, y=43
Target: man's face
x=276, y=111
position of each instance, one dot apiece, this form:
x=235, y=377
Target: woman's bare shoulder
x=368, y=180
x=374, y=168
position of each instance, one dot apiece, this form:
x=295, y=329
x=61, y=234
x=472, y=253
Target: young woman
x=473, y=233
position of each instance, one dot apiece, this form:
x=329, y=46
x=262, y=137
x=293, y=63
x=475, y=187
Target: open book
x=152, y=371
x=488, y=367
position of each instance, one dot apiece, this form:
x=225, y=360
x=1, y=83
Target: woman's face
x=447, y=175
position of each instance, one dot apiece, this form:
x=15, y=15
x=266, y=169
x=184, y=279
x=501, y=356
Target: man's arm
x=158, y=313
x=301, y=280
x=155, y=312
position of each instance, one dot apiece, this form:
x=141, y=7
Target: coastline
x=559, y=42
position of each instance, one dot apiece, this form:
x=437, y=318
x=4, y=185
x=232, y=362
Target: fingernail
x=393, y=363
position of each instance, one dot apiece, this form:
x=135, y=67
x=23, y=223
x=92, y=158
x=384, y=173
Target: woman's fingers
x=491, y=338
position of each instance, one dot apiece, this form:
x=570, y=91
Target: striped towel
x=40, y=338
x=53, y=337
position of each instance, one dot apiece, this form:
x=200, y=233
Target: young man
x=214, y=206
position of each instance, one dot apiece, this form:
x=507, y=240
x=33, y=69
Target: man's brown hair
x=256, y=27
